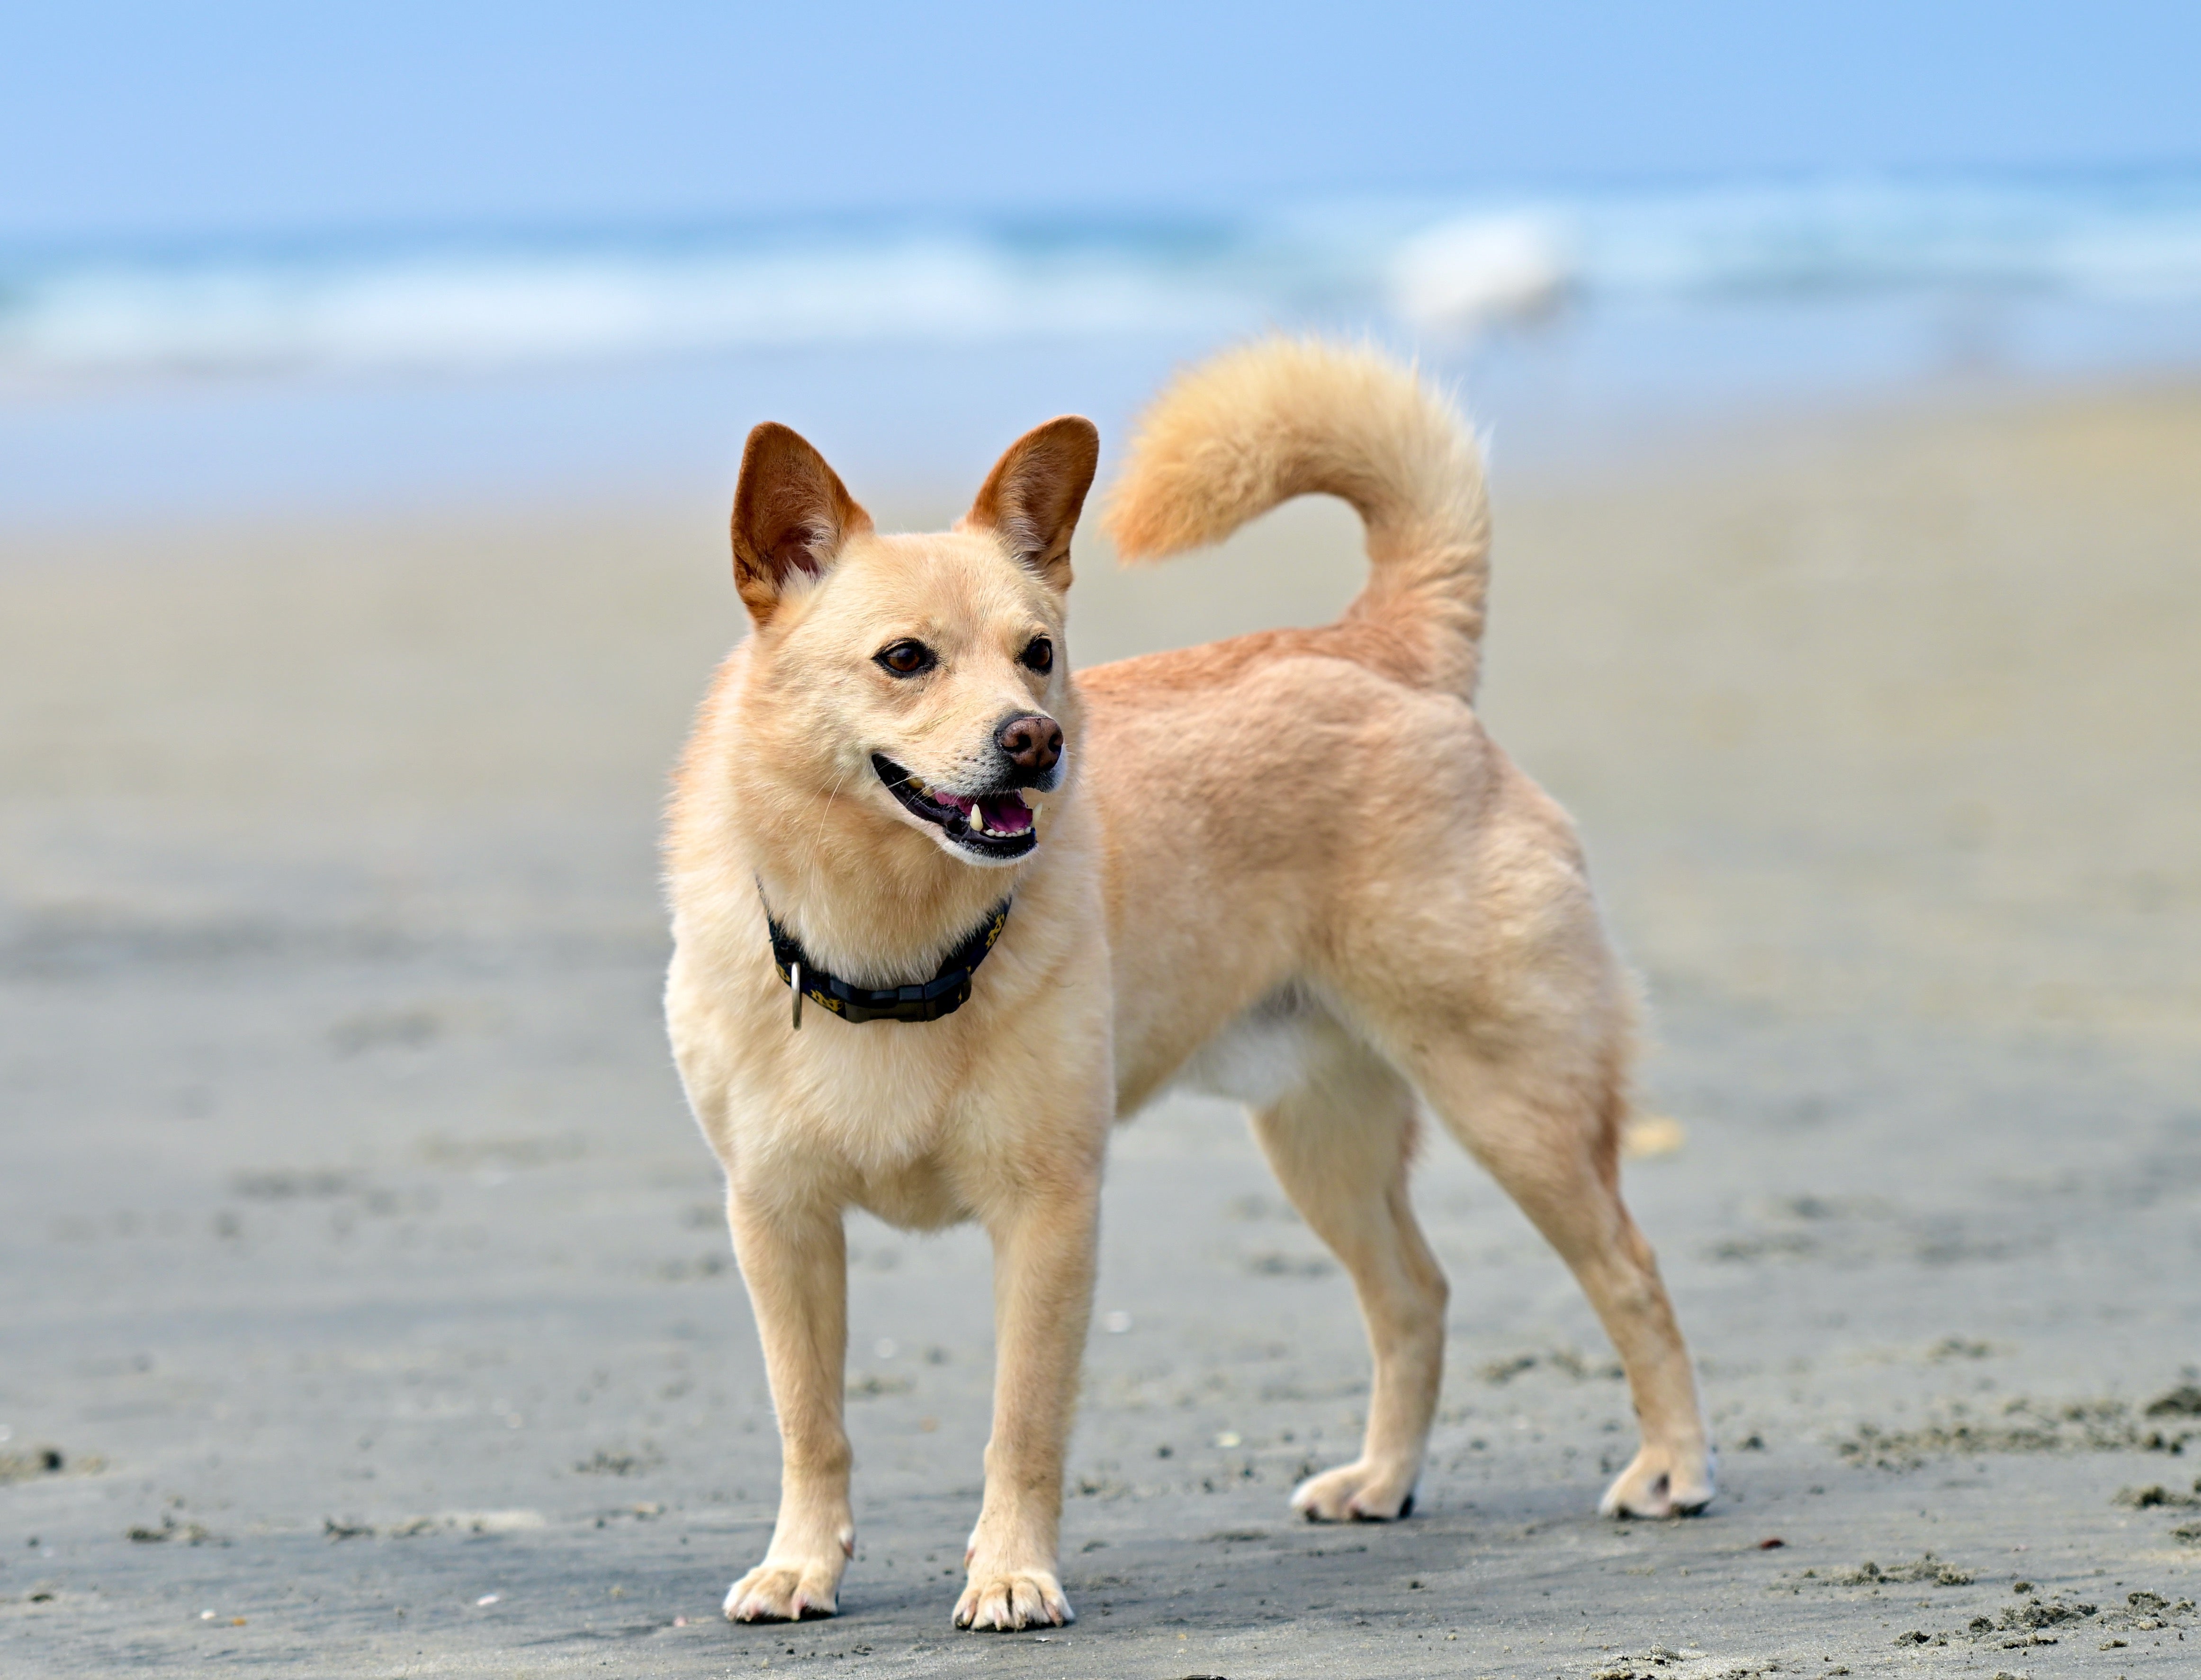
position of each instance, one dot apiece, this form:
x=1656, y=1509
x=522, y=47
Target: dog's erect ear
x=1033, y=496
x=791, y=515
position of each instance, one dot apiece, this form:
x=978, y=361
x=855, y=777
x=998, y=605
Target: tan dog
x=1291, y=867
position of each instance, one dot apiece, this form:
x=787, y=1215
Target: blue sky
x=232, y=116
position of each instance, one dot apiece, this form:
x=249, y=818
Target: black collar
x=947, y=991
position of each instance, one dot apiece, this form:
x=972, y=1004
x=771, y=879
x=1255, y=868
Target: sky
x=240, y=117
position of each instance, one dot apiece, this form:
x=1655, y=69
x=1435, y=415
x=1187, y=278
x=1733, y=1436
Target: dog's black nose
x=1032, y=742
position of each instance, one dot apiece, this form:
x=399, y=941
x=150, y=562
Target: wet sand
x=365, y=1306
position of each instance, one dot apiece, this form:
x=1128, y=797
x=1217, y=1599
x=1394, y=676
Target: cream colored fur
x=1362, y=909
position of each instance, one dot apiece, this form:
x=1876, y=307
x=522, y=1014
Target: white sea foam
x=458, y=310
x=1459, y=268
x=1467, y=275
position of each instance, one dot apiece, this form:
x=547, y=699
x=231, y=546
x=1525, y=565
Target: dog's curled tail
x=1282, y=418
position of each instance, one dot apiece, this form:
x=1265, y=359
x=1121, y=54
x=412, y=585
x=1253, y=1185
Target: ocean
x=233, y=372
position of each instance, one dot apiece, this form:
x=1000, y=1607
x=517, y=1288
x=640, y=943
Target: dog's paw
x=1005, y=1600
x=1661, y=1483
x=785, y=1592
x=1359, y=1492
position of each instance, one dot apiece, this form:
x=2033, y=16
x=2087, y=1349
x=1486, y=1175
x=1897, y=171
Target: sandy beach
x=365, y=1306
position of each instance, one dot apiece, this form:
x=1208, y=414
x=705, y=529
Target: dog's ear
x=791, y=515
x=1032, y=498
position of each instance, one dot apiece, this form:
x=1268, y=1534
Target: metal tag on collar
x=795, y=971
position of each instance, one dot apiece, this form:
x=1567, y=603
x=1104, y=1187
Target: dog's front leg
x=796, y=1263
x=1043, y=1261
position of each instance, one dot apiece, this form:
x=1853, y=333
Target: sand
x=366, y=1309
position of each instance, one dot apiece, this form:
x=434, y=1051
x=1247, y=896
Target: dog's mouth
x=991, y=825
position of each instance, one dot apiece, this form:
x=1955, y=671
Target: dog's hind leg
x=1341, y=1146
x=1545, y=1124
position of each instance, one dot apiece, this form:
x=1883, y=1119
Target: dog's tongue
x=1007, y=816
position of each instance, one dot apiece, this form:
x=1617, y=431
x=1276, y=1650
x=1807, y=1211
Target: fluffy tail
x=1282, y=418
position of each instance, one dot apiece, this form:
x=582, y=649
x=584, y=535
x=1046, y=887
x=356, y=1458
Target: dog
x=944, y=912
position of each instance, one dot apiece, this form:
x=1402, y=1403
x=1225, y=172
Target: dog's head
x=924, y=673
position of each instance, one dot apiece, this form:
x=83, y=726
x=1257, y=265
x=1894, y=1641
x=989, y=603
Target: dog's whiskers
x=826, y=809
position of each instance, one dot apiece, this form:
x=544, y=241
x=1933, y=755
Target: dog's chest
x=878, y=1104
x=880, y=1112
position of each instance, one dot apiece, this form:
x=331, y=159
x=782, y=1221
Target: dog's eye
x=1039, y=654
x=906, y=659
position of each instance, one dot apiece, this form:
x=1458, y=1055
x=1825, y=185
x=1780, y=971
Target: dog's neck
x=876, y=902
